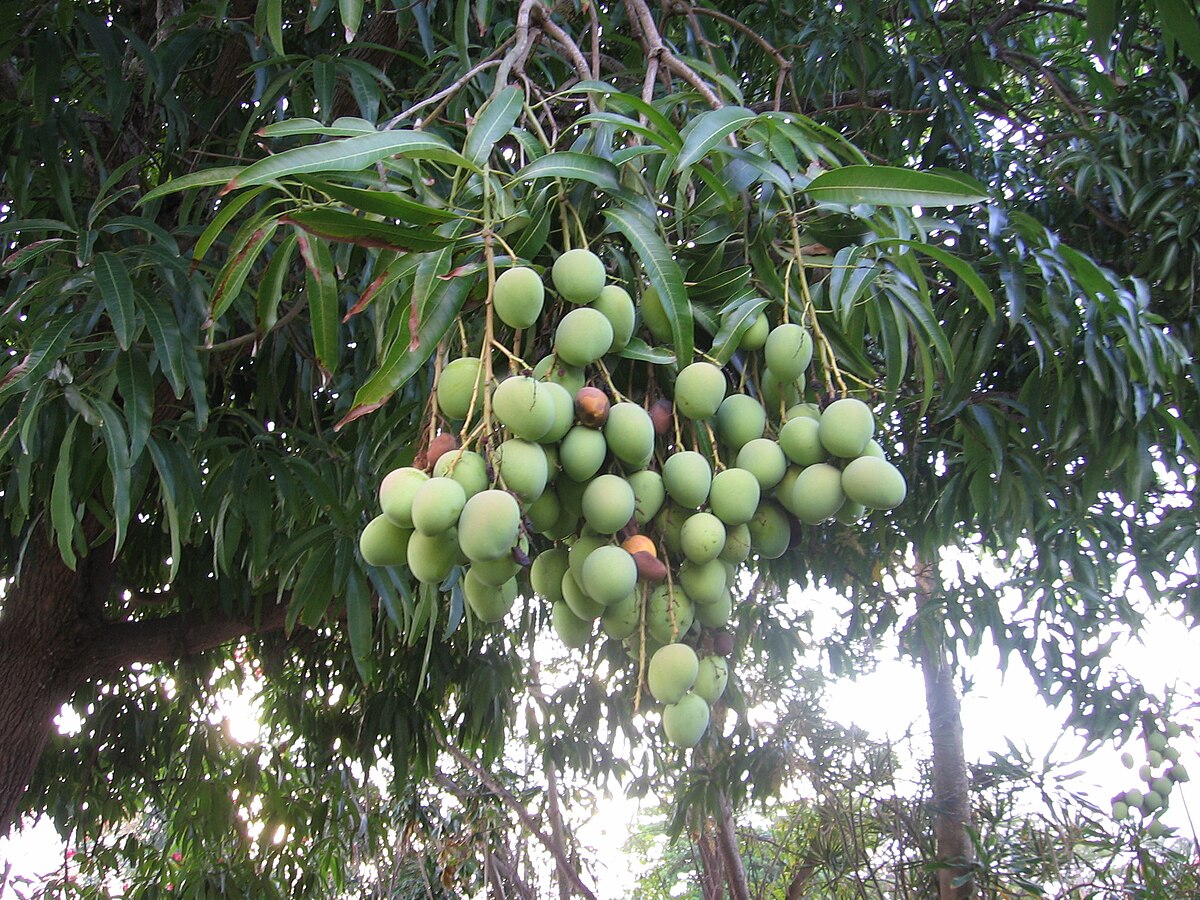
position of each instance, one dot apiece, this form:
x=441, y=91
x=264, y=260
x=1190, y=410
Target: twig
x=551, y=28
x=451, y=90
x=515, y=58
x=652, y=42
x=565, y=869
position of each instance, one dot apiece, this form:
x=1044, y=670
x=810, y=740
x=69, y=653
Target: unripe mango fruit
x=788, y=351
x=672, y=672
x=466, y=467
x=711, y=678
x=583, y=336
x=630, y=434
x=817, y=493
x=699, y=390
x=437, y=504
x=740, y=419
x=489, y=524
x=609, y=575
x=396, y=493
x=459, y=381
x=687, y=477
x=431, y=557
x=614, y=301
x=518, y=297
x=384, y=543
x=846, y=427
x=578, y=276
x=702, y=537
x=524, y=406
x=733, y=499
x=608, y=503
x=873, y=482
x=572, y=630
x=685, y=722
x=582, y=453
x=488, y=602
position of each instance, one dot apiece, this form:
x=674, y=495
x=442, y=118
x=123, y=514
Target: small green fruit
x=546, y=573
x=524, y=406
x=788, y=351
x=699, y=390
x=702, y=537
x=437, y=504
x=608, y=503
x=630, y=434
x=817, y=493
x=686, y=721
x=572, y=630
x=489, y=524
x=614, y=301
x=648, y=494
x=582, y=453
x=770, y=532
x=733, y=498
x=687, y=477
x=740, y=419
x=518, y=297
x=578, y=276
x=396, y=493
x=800, y=443
x=712, y=678
x=754, y=337
x=672, y=672
x=846, y=427
x=609, y=575
x=765, y=460
x=459, y=382
x=431, y=557
x=488, y=602
x=583, y=336
x=873, y=482
x=384, y=543
x=654, y=317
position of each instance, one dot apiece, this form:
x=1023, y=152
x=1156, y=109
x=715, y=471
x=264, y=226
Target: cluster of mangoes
x=1161, y=771
x=629, y=509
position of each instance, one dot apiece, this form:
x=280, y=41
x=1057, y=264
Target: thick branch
x=118, y=644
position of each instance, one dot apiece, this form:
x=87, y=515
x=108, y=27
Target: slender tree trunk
x=731, y=856
x=951, y=796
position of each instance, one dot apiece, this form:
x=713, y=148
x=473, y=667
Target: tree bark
x=54, y=638
x=951, y=796
x=735, y=872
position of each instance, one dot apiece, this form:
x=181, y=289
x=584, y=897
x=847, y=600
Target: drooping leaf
x=62, y=501
x=203, y=178
x=351, y=12
x=891, y=186
x=246, y=250
x=351, y=154
x=345, y=126
x=320, y=287
x=707, y=130
x=1181, y=25
x=663, y=272
x=381, y=201
x=344, y=227
x=116, y=445
x=494, y=120
x=575, y=166
x=958, y=266
x=137, y=395
x=116, y=290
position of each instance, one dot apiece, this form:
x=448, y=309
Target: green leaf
x=47, y=348
x=348, y=228
x=137, y=396
x=624, y=122
x=231, y=278
x=708, y=129
x=168, y=344
x=494, y=120
x=320, y=287
x=890, y=186
x=29, y=253
x=360, y=621
x=345, y=126
x=733, y=325
x=275, y=25
x=171, y=490
x=1101, y=22
x=959, y=267
x=664, y=274
x=409, y=353
x=351, y=12
x=270, y=288
x=116, y=291
x=205, y=178
x=382, y=201
x=346, y=155
x=62, y=507
x=640, y=350
x=116, y=442
x=574, y=166
x=1181, y=26
x=665, y=134
x=229, y=209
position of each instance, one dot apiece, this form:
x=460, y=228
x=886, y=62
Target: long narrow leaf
x=233, y=275
x=959, y=267
x=890, y=186
x=347, y=228
x=320, y=287
x=494, y=120
x=116, y=290
x=708, y=129
x=346, y=155
x=381, y=201
x=206, y=178
x=664, y=274
x=575, y=166
x=62, y=505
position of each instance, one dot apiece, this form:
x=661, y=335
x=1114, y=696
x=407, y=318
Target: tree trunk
x=42, y=627
x=951, y=797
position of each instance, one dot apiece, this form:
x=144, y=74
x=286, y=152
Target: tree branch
x=565, y=869
x=117, y=644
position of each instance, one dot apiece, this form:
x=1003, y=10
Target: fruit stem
x=617, y=395
x=828, y=360
x=712, y=445
x=641, y=682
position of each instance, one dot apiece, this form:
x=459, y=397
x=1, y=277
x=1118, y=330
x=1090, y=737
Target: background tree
x=183, y=511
